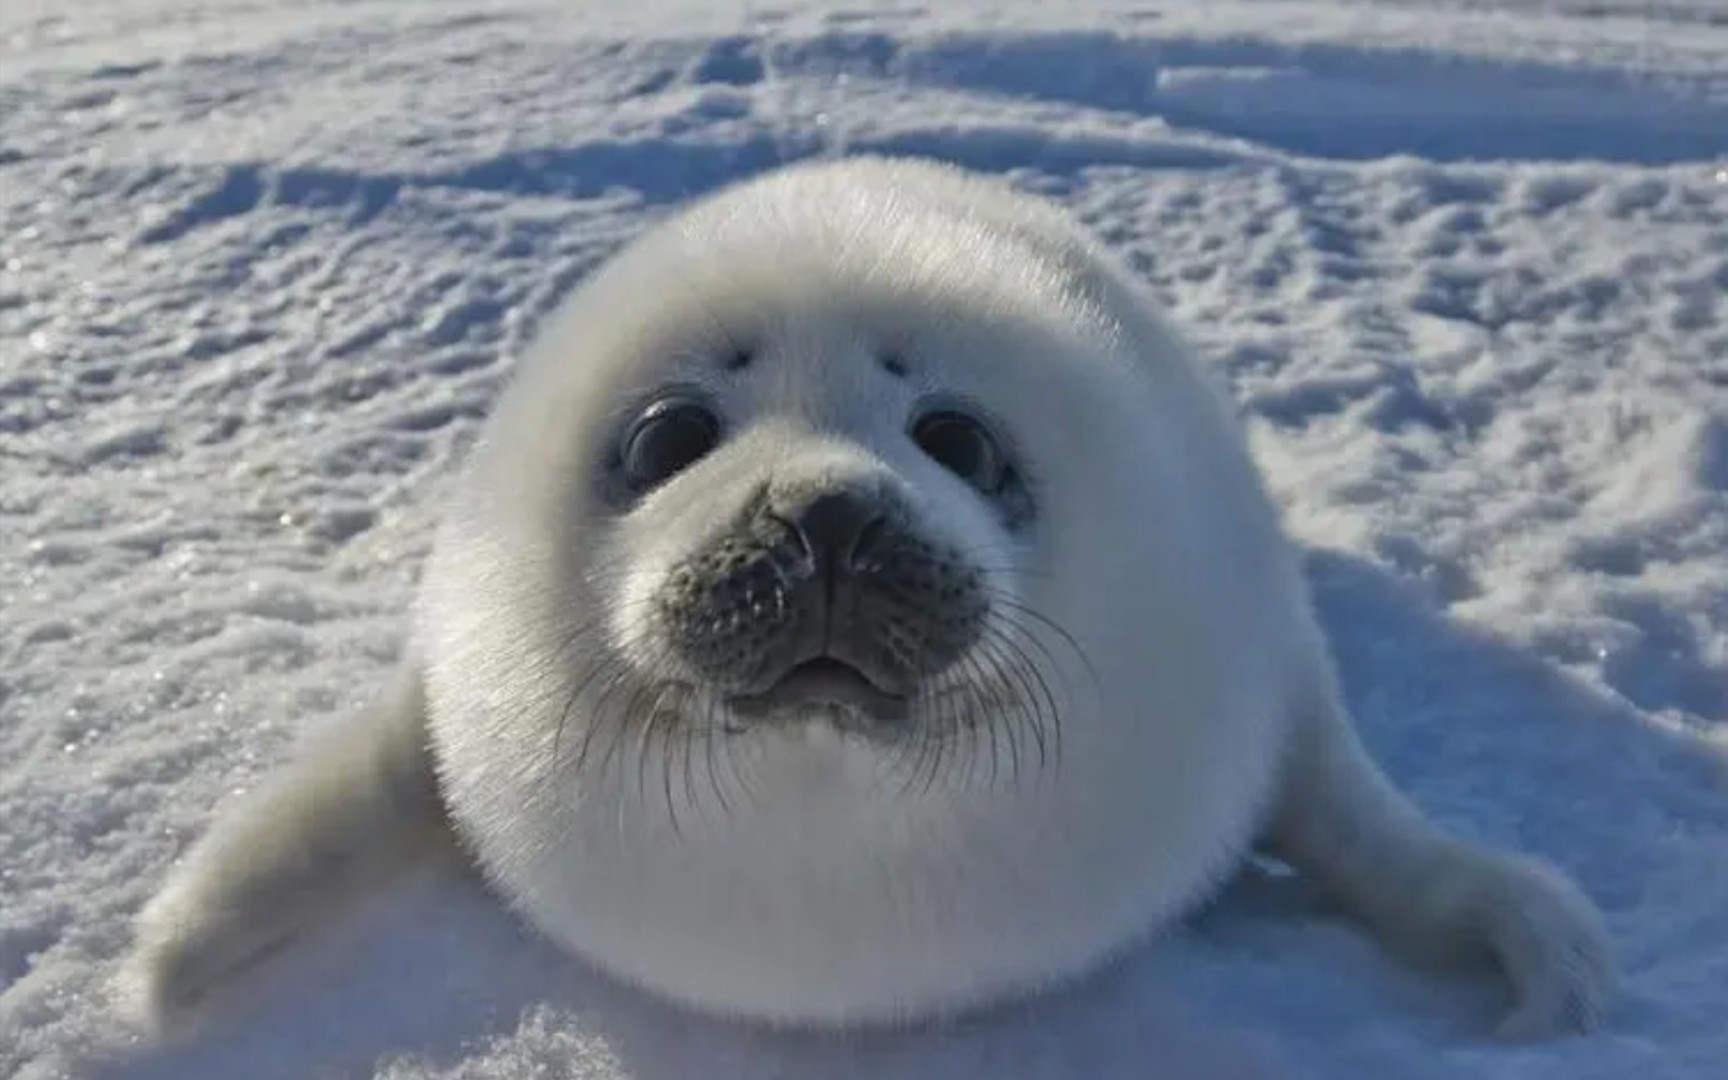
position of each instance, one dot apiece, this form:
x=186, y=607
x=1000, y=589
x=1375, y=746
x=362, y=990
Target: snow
x=1465, y=267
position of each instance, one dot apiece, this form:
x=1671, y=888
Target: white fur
x=356, y=808
x=796, y=874
x=803, y=884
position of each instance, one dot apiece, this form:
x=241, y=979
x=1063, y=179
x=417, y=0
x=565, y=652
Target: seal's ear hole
x=672, y=434
x=965, y=446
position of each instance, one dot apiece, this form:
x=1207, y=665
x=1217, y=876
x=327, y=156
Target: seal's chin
x=824, y=686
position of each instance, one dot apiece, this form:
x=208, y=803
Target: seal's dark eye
x=964, y=446
x=666, y=439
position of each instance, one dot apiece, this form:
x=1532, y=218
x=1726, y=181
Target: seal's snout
x=826, y=598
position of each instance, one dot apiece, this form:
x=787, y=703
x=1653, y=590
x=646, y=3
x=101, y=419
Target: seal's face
x=823, y=593
x=813, y=538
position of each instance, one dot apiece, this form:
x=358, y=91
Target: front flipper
x=1339, y=820
x=358, y=807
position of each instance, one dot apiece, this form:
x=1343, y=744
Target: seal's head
x=830, y=624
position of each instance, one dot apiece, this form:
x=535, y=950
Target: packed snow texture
x=263, y=266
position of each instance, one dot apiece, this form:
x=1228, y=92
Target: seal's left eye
x=963, y=445
x=669, y=437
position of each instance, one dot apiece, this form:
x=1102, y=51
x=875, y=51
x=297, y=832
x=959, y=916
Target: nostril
x=858, y=558
x=834, y=526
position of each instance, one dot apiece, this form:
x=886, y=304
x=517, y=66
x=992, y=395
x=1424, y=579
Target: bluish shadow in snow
x=1509, y=746
x=1338, y=101
x=1325, y=100
x=439, y=973
x=659, y=171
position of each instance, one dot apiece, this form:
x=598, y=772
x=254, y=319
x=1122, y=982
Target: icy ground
x=263, y=264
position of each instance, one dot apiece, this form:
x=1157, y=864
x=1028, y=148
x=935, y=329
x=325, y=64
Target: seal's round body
x=862, y=605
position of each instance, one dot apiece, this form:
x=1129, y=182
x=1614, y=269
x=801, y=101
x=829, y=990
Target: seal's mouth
x=823, y=683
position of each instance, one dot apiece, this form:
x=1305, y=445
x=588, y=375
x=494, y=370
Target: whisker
x=1036, y=692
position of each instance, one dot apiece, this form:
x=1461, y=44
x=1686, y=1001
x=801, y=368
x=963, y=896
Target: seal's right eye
x=669, y=437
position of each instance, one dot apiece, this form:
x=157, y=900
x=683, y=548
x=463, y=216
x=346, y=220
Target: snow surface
x=1465, y=266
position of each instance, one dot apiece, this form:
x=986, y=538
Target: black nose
x=835, y=526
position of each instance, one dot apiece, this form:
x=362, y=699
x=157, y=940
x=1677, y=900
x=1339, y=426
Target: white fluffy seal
x=861, y=606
